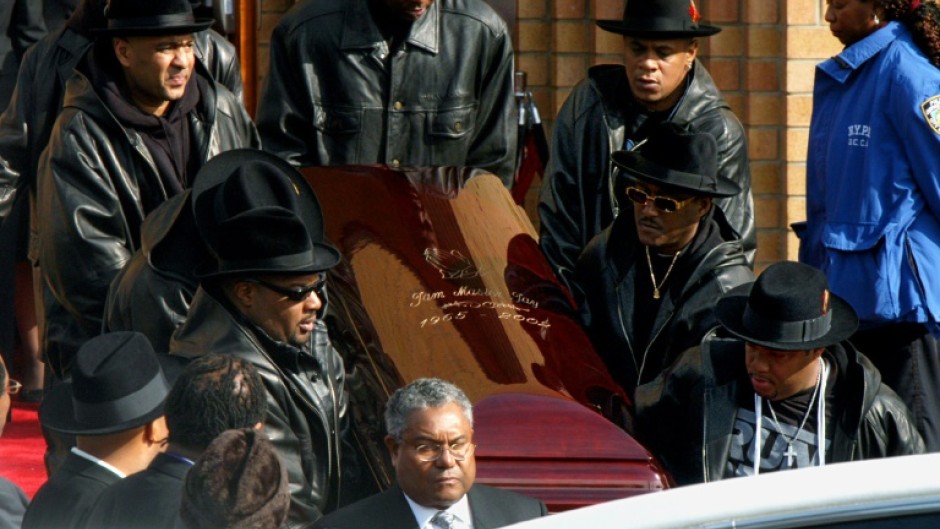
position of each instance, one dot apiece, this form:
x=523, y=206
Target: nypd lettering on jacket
x=858, y=135
x=873, y=179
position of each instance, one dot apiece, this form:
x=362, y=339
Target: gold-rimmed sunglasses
x=662, y=203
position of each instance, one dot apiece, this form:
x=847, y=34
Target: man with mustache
x=261, y=298
x=651, y=278
x=615, y=108
x=779, y=379
x=397, y=82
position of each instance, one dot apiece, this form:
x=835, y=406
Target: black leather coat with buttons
x=336, y=95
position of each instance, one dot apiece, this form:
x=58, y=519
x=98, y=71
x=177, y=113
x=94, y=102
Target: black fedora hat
x=660, y=19
x=257, y=214
x=788, y=308
x=265, y=240
x=118, y=383
x=151, y=17
x=677, y=157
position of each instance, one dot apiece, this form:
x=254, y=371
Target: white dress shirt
x=101, y=463
x=460, y=510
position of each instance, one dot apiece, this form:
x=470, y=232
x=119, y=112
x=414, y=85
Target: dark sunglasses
x=294, y=294
x=666, y=204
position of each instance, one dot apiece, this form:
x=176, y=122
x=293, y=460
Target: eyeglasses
x=14, y=386
x=432, y=452
x=662, y=203
x=294, y=294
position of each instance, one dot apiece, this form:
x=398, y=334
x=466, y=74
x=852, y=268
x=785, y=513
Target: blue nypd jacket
x=873, y=179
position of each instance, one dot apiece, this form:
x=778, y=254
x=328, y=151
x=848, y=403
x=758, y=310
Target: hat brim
x=325, y=257
x=56, y=412
x=617, y=26
x=635, y=165
x=730, y=313
x=200, y=24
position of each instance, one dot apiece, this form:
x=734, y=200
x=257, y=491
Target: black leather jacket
x=306, y=397
x=334, y=96
x=152, y=293
x=608, y=272
x=97, y=182
x=686, y=416
x=21, y=26
x=26, y=124
x=577, y=198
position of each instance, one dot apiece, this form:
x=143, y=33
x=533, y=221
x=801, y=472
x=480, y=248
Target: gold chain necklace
x=649, y=262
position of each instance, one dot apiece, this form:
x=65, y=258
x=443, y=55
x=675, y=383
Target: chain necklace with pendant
x=790, y=453
x=649, y=262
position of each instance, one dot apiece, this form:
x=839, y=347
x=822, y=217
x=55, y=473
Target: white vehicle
x=895, y=493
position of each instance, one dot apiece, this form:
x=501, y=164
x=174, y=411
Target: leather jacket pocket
x=450, y=132
x=338, y=133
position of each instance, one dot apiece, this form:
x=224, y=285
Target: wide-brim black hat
x=788, y=308
x=266, y=240
x=118, y=383
x=660, y=19
x=677, y=157
x=258, y=215
x=151, y=17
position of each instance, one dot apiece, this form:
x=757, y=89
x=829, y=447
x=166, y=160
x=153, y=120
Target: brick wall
x=763, y=61
x=808, y=43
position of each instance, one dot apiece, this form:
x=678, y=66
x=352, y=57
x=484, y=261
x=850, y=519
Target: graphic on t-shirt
x=776, y=452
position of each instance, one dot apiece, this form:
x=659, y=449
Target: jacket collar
x=169, y=465
x=623, y=246
x=212, y=320
x=209, y=322
x=359, y=30
x=75, y=466
x=852, y=57
x=72, y=45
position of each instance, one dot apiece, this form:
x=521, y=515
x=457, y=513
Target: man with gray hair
x=430, y=440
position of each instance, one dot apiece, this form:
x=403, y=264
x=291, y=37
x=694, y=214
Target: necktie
x=444, y=520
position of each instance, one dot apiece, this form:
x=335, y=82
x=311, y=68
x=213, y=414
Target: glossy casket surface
x=442, y=276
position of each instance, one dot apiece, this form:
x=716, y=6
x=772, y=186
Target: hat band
x=658, y=24
x=129, y=407
x=156, y=21
x=786, y=331
x=282, y=262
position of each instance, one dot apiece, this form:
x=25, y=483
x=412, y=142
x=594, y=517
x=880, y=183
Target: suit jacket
x=155, y=491
x=12, y=504
x=489, y=506
x=64, y=500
